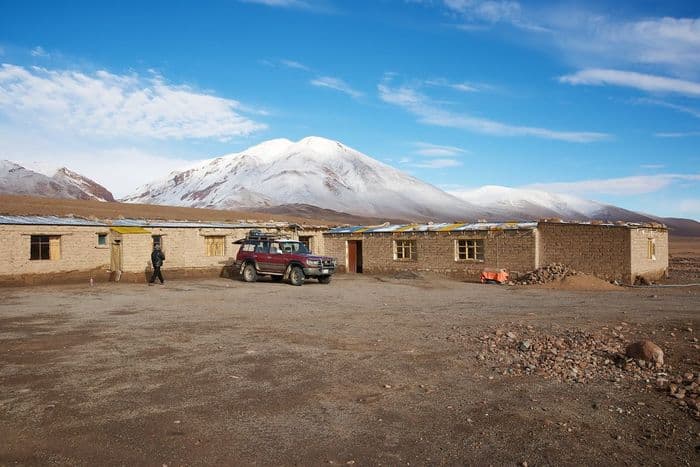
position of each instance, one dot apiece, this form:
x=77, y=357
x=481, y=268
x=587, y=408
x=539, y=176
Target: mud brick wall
x=593, y=249
x=650, y=268
x=514, y=250
x=78, y=247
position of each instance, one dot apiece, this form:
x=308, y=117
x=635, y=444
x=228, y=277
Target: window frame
x=220, y=246
x=651, y=249
x=400, y=247
x=49, y=247
x=473, y=249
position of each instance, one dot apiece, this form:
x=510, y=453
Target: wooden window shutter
x=55, y=248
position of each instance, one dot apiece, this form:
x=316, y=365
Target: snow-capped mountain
x=314, y=171
x=523, y=203
x=18, y=180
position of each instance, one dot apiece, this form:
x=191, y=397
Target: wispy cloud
x=624, y=186
x=111, y=105
x=632, y=79
x=294, y=64
x=462, y=87
x=669, y=105
x=38, y=52
x=430, y=113
x=336, y=84
x=677, y=134
x=652, y=166
x=436, y=150
x=436, y=164
x=690, y=206
x=281, y=3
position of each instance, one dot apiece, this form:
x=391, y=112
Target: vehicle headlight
x=314, y=263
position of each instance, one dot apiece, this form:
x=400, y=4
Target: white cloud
x=430, y=113
x=652, y=166
x=294, y=64
x=677, y=134
x=679, y=108
x=624, y=186
x=437, y=164
x=280, y=3
x=110, y=105
x=436, y=150
x=38, y=52
x=336, y=84
x=462, y=87
x=120, y=168
x=632, y=79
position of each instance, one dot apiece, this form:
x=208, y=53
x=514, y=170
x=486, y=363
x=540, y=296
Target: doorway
x=116, y=257
x=355, y=256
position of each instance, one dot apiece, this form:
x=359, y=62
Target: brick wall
x=650, y=268
x=435, y=252
x=594, y=249
x=81, y=257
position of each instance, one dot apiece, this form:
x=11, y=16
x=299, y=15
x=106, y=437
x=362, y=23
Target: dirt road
x=366, y=371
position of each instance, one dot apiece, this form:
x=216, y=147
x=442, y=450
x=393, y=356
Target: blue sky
x=597, y=99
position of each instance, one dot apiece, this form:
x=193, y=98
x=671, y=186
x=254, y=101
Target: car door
x=262, y=257
x=277, y=258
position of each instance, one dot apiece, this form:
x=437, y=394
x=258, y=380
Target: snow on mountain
x=91, y=188
x=18, y=180
x=523, y=203
x=314, y=171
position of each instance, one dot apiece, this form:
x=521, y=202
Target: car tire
x=249, y=273
x=324, y=279
x=296, y=276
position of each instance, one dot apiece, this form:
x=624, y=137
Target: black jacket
x=157, y=258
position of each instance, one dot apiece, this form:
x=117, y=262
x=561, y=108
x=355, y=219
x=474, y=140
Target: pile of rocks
x=684, y=389
x=572, y=355
x=551, y=272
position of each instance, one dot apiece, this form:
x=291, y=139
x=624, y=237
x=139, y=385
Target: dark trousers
x=156, y=273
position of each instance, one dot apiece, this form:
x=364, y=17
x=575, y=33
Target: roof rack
x=260, y=235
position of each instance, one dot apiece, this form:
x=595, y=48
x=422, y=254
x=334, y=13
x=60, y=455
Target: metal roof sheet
x=48, y=220
x=437, y=227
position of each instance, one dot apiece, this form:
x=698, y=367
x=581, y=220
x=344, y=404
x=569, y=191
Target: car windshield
x=293, y=247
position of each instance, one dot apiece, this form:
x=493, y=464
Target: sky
x=596, y=99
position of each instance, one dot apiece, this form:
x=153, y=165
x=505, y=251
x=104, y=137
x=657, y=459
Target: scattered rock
x=646, y=350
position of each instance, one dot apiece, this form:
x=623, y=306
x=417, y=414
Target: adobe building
x=44, y=249
x=619, y=251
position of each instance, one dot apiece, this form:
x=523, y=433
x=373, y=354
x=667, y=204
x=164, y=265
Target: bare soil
x=366, y=370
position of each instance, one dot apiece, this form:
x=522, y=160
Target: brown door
x=355, y=256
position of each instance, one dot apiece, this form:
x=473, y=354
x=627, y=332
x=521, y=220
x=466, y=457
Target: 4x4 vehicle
x=265, y=254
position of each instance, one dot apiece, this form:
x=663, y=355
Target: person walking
x=157, y=258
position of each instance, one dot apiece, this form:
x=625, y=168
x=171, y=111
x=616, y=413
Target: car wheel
x=249, y=273
x=296, y=276
x=324, y=279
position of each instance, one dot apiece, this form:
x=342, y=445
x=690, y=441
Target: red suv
x=264, y=254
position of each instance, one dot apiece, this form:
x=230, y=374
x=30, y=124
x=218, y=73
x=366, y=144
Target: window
x=216, y=245
x=306, y=240
x=404, y=249
x=101, y=239
x=470, y=250
x=157, y=240
x=651, y=249
x=248, y=247
x=45, y=247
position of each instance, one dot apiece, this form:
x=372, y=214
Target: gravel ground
x=365, y=371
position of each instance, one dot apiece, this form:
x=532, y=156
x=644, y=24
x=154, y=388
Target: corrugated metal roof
x=49, y=220
x=437, y=227
x=77, y=221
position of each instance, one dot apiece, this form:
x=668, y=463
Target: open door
x=355, y=256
